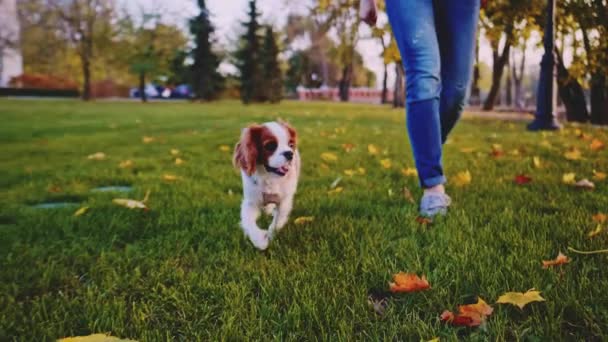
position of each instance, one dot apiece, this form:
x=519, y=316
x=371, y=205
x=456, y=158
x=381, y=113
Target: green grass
x=184, y=271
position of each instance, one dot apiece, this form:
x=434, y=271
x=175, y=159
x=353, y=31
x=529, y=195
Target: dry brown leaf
x=559, y=260
x=600, y=218
x=596, y=145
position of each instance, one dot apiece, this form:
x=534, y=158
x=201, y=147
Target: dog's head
x=271, y=145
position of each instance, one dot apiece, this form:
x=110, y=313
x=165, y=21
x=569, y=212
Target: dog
x=269, y=161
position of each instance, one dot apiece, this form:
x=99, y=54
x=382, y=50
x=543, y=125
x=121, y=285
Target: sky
x=227, y=16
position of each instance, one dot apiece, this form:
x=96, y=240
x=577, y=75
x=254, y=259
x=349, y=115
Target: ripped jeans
x=436, y=39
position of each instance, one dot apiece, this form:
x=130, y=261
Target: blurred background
x=268, y=50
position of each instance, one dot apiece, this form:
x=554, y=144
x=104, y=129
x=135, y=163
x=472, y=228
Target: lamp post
x=545, y=117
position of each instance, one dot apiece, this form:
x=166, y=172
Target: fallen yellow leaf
x=81, y=211
x=224, y=148
x=536, y=162
x=125, y=164
x=336, y=190
x=569, y=178
x=372, y=149
x=467, y=149
x=386, y=163
x=573, y=154
x=408, y=171
x=94, y=338
x=361, y=171
x=599, y=176
x=170, y=177
x=174, y=151
x=329, y=157
x=462, y=178
x=546, y=143
x=349, y=172
x=304, y=219
x=596, y=231
x=147, y=139
x=97, y=156
x=520, y=299
x=179, y=161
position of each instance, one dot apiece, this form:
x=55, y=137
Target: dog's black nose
x=288, y=155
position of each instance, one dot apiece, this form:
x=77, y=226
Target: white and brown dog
x=270, y=166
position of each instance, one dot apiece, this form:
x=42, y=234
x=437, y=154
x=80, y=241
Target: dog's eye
x=270, y=146
x=292, y=144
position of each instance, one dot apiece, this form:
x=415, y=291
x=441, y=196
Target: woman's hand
x=368, y=11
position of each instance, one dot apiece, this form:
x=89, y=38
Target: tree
x=206, y=80
x=248, y=58
x=82, y=21
x=272, y=79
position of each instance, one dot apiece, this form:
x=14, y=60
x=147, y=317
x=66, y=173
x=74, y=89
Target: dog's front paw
x=259, y=239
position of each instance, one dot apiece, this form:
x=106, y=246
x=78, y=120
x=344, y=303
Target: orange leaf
x=424, y=220
x=348, y=147
x=470, y=315
x=596, y=145
x=408, y=282
x=522, y=179
x=600, y=218
x=559, y=260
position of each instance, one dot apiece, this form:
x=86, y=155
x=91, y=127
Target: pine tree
x=272, y=77
x=207, y=82
x=248, y=58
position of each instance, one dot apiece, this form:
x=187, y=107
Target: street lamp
x=545, y=117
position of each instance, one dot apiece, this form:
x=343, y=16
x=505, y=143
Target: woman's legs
x=413, y=23
x=456, y=25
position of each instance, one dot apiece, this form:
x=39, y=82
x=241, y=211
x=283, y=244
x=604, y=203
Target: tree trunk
x=398, y=92
x=599, y=99
x=497, y=70
x=571, y=93
x=142, y=87
x=509, y=95
x=86, y=72
x=475, y=99
x=518, y=78
x=384, y=84
x=345, y=81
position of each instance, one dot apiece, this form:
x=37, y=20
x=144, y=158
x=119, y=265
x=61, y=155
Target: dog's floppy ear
x=246, y=152
x=293, y=135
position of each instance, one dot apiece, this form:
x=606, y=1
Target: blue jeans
x=436, y=39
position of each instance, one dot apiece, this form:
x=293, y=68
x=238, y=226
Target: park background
x=79, y=143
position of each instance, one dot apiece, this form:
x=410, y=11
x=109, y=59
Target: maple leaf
x=596, y=231
x=372, y=149
x=596, y=145
x=97, y=156
x=599, y=176
x=409, y=171
x=179, y=161
x=81, y=211
x=408, y=282
x=585, y=184
x=520, y=299
x=174, y=151
x=572, y=154
x=462, y=178
x=329, y=157
x=386, y=163
x=569, y=178
x=522, y=179
x=471, y=315
x=349, y=172
x=147, y=139
x=536, y=162
x=125, y=164
x=337, y=190
x=304, y=219
x=559, y=260
x=600, y=218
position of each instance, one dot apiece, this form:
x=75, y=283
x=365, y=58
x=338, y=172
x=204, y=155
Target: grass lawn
x=184, y=271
